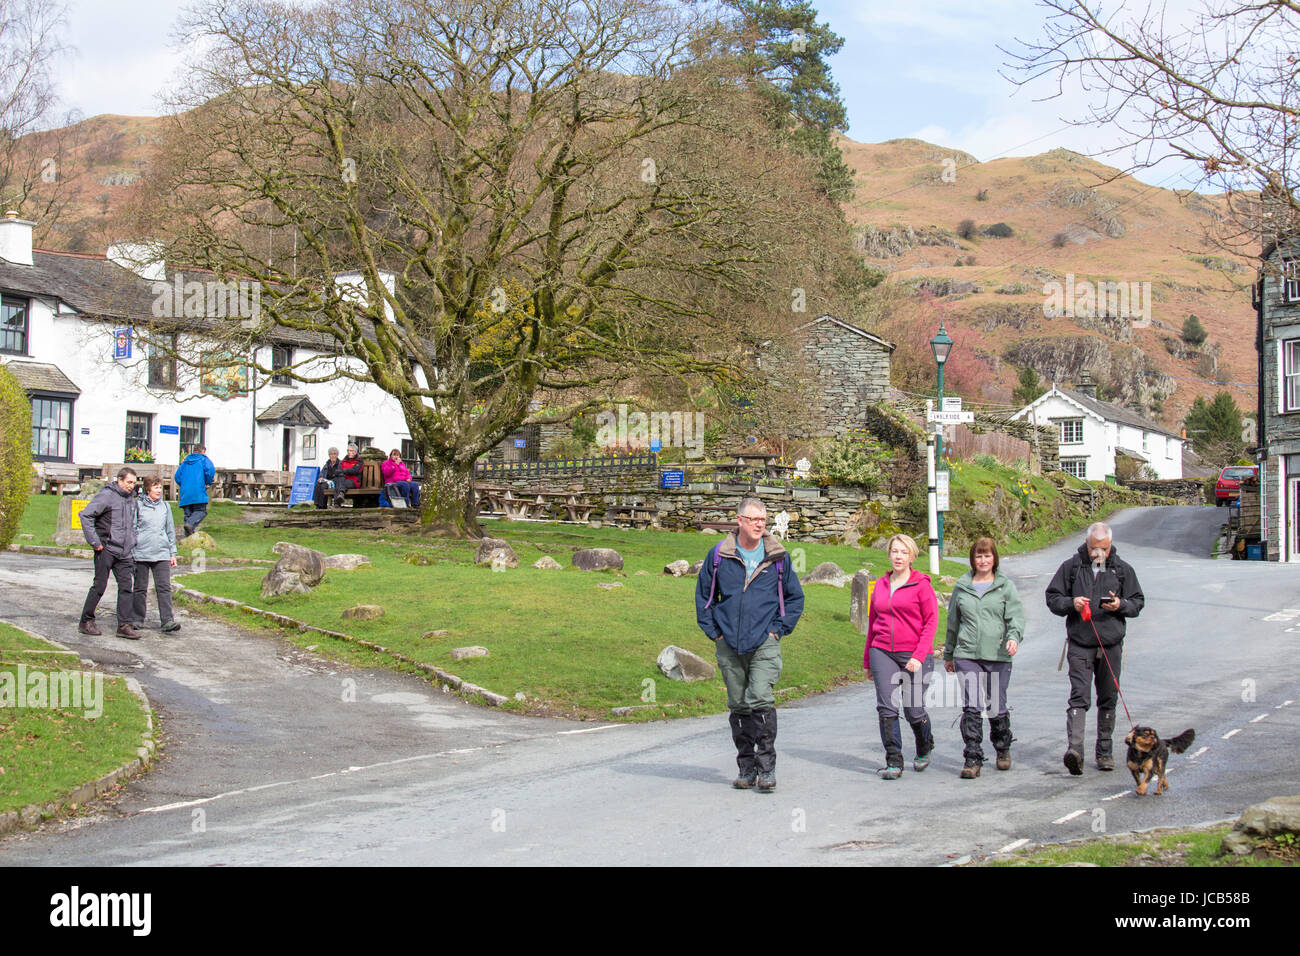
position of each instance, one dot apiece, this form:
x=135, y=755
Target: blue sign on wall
x=672, y=478
x=521, y=443
x=304, y=484
x=121, y=344
x=169, y=429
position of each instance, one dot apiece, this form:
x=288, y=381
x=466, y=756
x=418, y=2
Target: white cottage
x=71, y=332
x=1093, y=433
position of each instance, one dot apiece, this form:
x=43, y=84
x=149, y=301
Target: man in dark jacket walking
x=108, y=524
x=1096, y=579
x=747, y=598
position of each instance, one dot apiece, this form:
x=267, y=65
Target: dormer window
x=13, y=326
x=1291, y=280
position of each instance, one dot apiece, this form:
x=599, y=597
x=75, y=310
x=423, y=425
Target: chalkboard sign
x=672, y=478
x=304, y=484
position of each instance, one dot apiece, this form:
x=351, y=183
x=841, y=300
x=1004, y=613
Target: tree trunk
x=447, y=495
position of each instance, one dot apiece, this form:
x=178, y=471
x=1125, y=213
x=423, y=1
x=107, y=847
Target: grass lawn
x=1197, y=846
x=46, y=753
x=569, y=646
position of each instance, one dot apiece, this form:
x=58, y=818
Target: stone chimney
x=1086, y=385
x=16, y=239
x=145, y=259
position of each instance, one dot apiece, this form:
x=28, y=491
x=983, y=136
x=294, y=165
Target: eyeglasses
x=752, y=517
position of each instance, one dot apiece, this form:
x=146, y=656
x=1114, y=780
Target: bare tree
x=537, y=198
x=1212, y=85
x=30, y=46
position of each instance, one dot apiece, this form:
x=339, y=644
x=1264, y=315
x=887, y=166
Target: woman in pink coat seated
x=901, y=623
x=397, y=480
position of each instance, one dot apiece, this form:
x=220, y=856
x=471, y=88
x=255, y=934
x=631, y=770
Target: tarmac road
x=266, y=763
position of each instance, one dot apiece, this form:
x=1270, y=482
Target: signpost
x=949, y=418
x=951, y=404
x=304, y=484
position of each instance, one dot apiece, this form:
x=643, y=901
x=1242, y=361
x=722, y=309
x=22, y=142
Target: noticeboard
x=672, y=478
x=304, y=484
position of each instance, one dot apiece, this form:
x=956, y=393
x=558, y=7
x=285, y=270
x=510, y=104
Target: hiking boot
x=890, y=773
x=89, y=627
x=1000, y=735
x=128, y=632
x=1105, y=762
x=745, y=781
x=767, y=781
x=1074, y=762
x=1073, y=759
x=1004, y=760
x=924, y=744
x=971, y=770
x=171, y=627
x=186, y=531
x=920, y=763
x=1105, y=739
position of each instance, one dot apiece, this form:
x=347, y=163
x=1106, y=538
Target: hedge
x=15, y=455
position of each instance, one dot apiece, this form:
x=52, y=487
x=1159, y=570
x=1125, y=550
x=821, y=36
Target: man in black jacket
x=1094, y=578
x=108, y=524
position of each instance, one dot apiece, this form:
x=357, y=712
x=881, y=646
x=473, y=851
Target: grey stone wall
x=848, y=373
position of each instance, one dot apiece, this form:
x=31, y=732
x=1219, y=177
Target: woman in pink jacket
x=397, y=480
x=902, y=619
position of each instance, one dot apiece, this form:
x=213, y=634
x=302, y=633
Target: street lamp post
x=940, y=345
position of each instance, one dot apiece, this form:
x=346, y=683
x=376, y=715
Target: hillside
x=1064, y=216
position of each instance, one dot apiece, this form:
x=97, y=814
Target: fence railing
x=623, y=465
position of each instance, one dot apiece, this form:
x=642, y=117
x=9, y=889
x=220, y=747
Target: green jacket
x=979, y=627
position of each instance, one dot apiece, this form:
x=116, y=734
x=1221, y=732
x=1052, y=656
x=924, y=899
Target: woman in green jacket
x=986, y=622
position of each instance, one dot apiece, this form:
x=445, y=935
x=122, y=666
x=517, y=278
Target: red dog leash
x=1086, y=614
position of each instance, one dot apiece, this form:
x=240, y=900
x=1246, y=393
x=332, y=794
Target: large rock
x=363, y=612
x=694, y=569
x=309, y=564
x=459, y=653
x=279, y=582
x=828, y=572
x=598, y=559
x=496, y=552
x=199, y=540
x=547, y=563
x=346, y=562
x=677, y=663
x=1265, y=820
x=859, y=600
x=677, y=568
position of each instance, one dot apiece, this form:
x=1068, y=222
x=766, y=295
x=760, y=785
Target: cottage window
x=51, y=428
x=13, y=326
x=1071, y=431
x=308, y=447
x=162, y=362
x=1078, y=467
x=192, y=435
x=139, y=432
x=281, y=358
x=1291, y=375
x=1291, y=280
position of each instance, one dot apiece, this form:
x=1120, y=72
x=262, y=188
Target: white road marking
x=1285, y=703
x=287, y=783
x=1255, y=720
x=1231, y=732
x=1286, y=614
x=1116, y=796
x=1013, y=846
x=1198, y=753
x=1070, y=816
x=591, y=730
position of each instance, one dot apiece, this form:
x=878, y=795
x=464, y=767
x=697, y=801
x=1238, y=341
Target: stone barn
x=849, y=371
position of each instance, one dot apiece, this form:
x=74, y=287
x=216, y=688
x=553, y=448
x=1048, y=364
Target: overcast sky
x=922, y=68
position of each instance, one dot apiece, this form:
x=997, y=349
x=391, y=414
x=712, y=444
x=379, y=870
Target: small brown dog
x=1147, y=753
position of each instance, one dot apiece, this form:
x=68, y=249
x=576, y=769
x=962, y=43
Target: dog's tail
x=1182, y=741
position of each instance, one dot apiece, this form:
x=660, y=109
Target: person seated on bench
x=331, y=482
x=397, y=480
x=351, y=468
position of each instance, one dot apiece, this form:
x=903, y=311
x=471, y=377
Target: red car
x=1228, y=487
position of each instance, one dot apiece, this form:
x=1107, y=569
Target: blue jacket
x=192, y=477
x=745, y=613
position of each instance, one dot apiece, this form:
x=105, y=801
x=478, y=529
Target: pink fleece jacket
x=394, y=471
x=903, y=620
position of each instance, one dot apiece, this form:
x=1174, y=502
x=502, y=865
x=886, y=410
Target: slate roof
x=848, y=326
x=1115, y=413
x=293, y=410
x=40, y=377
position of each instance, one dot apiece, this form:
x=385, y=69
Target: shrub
x=985, y=461
x=957, y=261
x=15, y=455
x=1194, y=332
x=966, y=229
x=999, y=230
x=563, y=448
x=970, y=260
x=982, y=195
x=848, y=461
x=1059, y=240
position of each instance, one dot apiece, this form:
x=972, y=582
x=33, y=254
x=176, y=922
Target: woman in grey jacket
x=986, y=622
x=155, y=549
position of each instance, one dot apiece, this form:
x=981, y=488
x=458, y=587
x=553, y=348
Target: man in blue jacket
x=193, y=476
x=747, y=599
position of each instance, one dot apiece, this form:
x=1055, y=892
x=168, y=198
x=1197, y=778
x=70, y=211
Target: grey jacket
x=155, y=530
x=109, y=520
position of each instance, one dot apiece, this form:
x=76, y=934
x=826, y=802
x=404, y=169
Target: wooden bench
x=55, y=477
x=372, y=486
x=722, y=526
x=637, y=516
